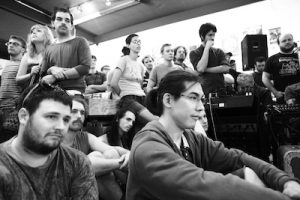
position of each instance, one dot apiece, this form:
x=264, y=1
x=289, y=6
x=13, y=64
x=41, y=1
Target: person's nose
x=200, y=106
x=60, y=125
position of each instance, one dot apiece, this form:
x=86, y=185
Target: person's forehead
x=52, y=106
x=63, y=15
x=211, y=32
x=285, y=37
x=194, y=88
x=15, y=40
x=130, y=115
x=77, y=105
x=260, y=63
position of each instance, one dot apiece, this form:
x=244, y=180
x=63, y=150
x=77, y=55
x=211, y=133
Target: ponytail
x=125, y=51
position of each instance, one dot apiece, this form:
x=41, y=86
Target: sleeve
x=84, y=54
x=194, y=59
x=84, y=185
x=226, y=160
x=153, y=75
x=122, y=64
x=268, y=67
x=165, y=175
x=222, y=59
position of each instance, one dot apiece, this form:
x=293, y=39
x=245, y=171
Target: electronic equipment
x=289, y=159
x=238, y=101
x=284, y=109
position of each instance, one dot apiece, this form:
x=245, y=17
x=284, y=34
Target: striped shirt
x=9, y=90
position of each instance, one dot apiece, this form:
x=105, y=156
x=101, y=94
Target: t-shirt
x=131, y=79
x=284, y=69
x=74, y=53
x=146, y=79
x=160, y=71
x=211, y=82
x=97, y=78
x=81, y=142
x=9, y=90
x=258, y=79
x=67, y=174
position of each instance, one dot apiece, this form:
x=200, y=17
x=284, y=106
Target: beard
x=76, y=125
x=286, y=50
x=31, y=142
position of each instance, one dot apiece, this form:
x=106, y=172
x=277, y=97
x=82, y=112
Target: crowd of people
x=156, y=146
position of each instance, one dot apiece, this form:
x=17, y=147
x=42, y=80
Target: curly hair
x=48, y=39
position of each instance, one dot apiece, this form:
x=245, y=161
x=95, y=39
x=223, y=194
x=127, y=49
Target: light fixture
x=87, y=11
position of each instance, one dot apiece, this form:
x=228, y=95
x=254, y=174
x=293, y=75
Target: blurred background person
x=148, y=61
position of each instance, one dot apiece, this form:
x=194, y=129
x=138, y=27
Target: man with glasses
x=9, y=90
x=34, y=164
x=66, y=62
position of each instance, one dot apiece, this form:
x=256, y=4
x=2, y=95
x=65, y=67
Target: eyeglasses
x=13, y=43
x=136, y=41
x=42, y=86
x=195, y=98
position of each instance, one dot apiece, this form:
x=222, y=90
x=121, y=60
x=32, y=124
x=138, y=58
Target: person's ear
x=23, y=115
x=167, y=100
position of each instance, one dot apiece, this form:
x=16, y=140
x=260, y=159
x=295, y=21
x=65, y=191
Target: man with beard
x=67, y=61
x=180, y=54
x=282, y=67
x=104, y=158
x=33, y=164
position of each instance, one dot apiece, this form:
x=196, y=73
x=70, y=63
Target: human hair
x=176, y=49
x=113, y=136
x=163, y=47
x=20, y=39
x=103, y=67
x=128, y=39
x=48, y=39
x=64, y=10
x=145, y=57
x=205, y=28
x=34, y=95
x=80, y=99
x=174, y=84
x=94, y=57
x=259, y=59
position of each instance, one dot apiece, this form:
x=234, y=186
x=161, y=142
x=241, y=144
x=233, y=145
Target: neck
x=69, y=137
x=179, y=61
x=61, y=39
x=169, y=63
x=92, y=71
x=172, y=129
x=27, y=156
x=133, y=55
x=16, y=57
x=290, y=52
x=40, y=48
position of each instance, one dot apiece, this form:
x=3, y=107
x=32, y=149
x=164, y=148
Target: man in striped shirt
x=9, y=90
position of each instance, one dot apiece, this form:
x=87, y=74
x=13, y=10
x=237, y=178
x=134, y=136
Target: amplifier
x=284, y=109
x=232, y=101
x=289, y=159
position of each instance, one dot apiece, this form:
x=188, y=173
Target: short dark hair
x=34, y=95
x=174, y=84
x=64, y=10
x=205, y=28
x=176, y=49
x=94, y=57
x=104, y=66
x=163, y=47
x=128, y=39
x=259, y=59
x=20, y=39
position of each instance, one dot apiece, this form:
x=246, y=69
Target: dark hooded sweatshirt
x=157, y=170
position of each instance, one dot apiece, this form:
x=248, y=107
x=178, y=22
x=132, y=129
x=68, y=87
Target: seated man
x=168, y=161
x=104, y=158
x=33, y=164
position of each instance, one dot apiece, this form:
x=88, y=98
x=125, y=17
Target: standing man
x=180, y=54
x=67, y=61
x=208, y=61
x=9, y=90
x=33, y=164
x=260, y=63
x=283, y=67
x=95, y=81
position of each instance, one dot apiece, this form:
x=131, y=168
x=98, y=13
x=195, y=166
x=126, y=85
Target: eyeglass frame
x=15, y=44
x=139, y=42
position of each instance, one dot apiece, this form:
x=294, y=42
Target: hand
x=111, y=154
x=278, y=94
x=209, y=44
x=49, y=79
x=125, y=161
x=90, y=90
x=35, y=69
x=57, y=72
x=292, y=189
x=225, y=69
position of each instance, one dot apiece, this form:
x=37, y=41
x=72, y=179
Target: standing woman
x=127, y=80
x=38, y=39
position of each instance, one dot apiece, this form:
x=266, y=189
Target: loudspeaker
x=3, y=50
x=289, y=159
x=253, y=46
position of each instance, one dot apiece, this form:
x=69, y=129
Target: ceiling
x=17, y=19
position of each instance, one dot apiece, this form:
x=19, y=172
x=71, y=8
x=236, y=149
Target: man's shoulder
x=70, y=154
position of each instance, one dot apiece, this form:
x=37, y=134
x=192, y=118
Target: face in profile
x=135, y=44
x=126, y=122
x=168, y=53
x=37, y=34
x=45, y=128
x=203, y=120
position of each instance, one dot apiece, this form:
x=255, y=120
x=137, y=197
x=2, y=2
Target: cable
x=212, y=117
